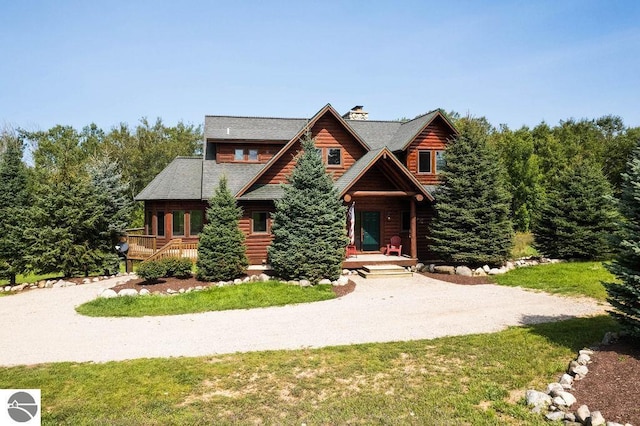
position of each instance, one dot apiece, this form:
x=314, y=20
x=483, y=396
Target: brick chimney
x=356, y=113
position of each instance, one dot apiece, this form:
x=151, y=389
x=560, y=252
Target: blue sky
x=515, y=62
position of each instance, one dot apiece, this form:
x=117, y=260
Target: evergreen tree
x=114, y=196
x=14, y=200
x=577, y=217
x=309, y=224
x=472, y=224
x=625, y=296
x=221, y=249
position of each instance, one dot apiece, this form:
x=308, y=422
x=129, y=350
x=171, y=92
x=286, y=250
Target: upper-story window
x=253, y=155
x=334, y=156
x=239, y=154
x=440, y=161
x=424, y=161
x=245, y=154
x=430, y=161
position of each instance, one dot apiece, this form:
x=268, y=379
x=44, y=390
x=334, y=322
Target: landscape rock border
x=109, y=293
x=556, y=402
x=61, y=283
x=485, y=270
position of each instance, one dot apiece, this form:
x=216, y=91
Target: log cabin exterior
x=389, y=169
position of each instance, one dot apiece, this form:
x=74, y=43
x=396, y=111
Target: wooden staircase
x=384, y=271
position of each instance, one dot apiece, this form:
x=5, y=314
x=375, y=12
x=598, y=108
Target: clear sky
x=515, y=62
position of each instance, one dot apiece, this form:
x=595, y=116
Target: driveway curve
x=42, y=325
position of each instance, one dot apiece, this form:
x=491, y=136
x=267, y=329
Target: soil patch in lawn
x=613, y=383
x=176, y=284
x=458, y=279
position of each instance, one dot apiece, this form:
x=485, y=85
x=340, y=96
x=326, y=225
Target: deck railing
x=177, y=248
x=141, y=246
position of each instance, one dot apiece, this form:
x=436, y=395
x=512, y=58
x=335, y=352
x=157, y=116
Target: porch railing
x=141, y=247
x=176, y=248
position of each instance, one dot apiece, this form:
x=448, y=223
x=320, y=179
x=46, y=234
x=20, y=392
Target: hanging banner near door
x=351, y=218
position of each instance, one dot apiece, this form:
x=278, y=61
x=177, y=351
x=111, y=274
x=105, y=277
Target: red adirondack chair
x=395, y=246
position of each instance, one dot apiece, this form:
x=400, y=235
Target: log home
x=389, y=169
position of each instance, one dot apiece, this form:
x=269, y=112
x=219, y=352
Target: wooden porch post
x=414, y=230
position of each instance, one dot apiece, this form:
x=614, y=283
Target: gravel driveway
x=42, y=325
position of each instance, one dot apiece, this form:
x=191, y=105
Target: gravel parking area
x=42, y=325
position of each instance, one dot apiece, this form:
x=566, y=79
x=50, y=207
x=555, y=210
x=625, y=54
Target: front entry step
x=384, y=271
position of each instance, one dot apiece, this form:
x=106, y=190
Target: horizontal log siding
x=374, y=180
x=424, y=215
x=433, y=137
x=256, y=243
x=225, y=153
x=328, y=133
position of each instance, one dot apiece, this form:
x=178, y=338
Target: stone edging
x=557, y=400
x=60, y=283
x=484, y=270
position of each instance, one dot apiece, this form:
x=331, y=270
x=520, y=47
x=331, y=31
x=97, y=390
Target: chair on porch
x=395, y=246
x=351, y=251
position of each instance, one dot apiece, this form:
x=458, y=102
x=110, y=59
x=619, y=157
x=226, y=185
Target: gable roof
x=360, y=167
x=326, y=109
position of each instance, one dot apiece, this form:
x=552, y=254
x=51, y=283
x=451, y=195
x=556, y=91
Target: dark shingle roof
x=263, y=192
x=252, y=128
x=375, y=133
x=408, y=131
x=180, y=180
x=238, y=174
x=363, y=162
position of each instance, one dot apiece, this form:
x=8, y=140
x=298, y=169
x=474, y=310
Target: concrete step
x=384, y=271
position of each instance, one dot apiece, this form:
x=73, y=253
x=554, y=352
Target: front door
x=370, y=231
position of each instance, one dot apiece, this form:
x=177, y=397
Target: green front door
x=370, y=231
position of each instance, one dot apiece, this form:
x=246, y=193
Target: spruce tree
x=309, y=224
x=472, y=224
x=221, y=249
x=625, y=296
x=14, y=200
x=577, y=218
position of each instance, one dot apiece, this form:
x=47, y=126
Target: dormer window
x=239, y=154
x=245, y=154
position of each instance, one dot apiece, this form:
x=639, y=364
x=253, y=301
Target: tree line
x=65, y=211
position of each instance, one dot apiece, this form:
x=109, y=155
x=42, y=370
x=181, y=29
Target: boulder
x=108, y=294
x=558, y=402
x=144, y=292
x=580, y=371
x=86, y=281
x=497, y=271
x=127, y=292
x=305, y=283
x=419, y=267
x=486, y=268
x=479, y=272
x=583, y=359
x=18, y=287
x=464, y=271
x=568, y=398
x=554, y=389
x=586, y=352
x=509, y=266
x=443, y=269
x=325, y=281
x=171, y=291
x=246, y=279
x=342, y=280
x=41, y=283
x=431, y=268
x=566, y=381
x=96, y=279
x=582, y=414
x=237, y=281
x=555, y=416
x=181, y=290
x=597, y=419
x=537, y=399
x=346, y=272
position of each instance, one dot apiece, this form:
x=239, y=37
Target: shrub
x=179, y=267
x=151, y=270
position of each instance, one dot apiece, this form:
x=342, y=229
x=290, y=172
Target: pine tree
x=14, y=200
x=221, y=249
x=577, y=218
x=472, y=224
x=625, y=296
x=309, y=224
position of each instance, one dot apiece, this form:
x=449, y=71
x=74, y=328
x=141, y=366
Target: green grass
x=523, y=245
x=243, y=296
x=466, y=380
x=31, y=278
x=569, y=278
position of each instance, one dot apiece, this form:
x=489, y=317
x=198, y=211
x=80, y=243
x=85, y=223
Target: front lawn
x=477, y=379
x=243, y=296
x=569, y=278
